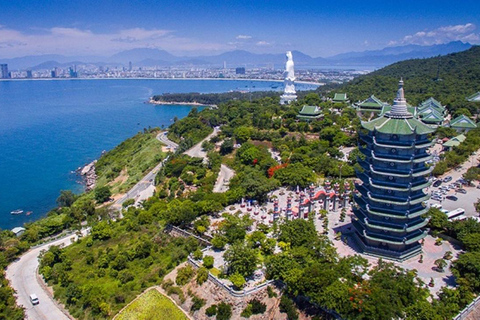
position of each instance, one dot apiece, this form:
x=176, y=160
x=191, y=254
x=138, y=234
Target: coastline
x=318, y=84
x=196, y=104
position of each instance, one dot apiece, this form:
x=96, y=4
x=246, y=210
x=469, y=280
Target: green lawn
x=152, y=305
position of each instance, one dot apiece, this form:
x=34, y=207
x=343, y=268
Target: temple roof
x=341, y=97
x=371, y=102
x=433, y=103
x=474, y=97
x=310, y=110
x=432, y=116
x=455, y=141
x=463, y=121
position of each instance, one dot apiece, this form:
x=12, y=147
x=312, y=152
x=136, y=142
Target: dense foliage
x=213, y=98
x=449, y=79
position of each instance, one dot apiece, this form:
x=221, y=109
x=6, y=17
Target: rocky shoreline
x=90, y=175
x=151, y=101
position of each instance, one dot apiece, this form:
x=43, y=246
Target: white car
x=34, y=299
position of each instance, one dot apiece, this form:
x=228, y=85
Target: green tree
x=202, y=275
x=241, y=259
x=224, y=311
x=208, y=262
x=66, y=198
x=238, y=280
x=102, y=194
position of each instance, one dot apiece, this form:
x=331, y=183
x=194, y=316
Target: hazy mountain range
x=143, y=57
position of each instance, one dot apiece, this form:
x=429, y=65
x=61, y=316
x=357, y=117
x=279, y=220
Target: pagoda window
x=395, y=137
x=393, y=150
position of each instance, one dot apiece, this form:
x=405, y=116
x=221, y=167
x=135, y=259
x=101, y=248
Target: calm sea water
x=50, y=128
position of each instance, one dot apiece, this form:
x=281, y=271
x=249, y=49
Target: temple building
x=463, y=123
x=310, y=113
x=474, y=97
x=432, y=112
x=390, y=198
x=340, y=98
x=371, y=104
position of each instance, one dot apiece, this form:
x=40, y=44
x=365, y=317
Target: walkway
x=223, y=179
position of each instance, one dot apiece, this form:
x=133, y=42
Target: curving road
x=223, y=179
x=22, y=275
x=196, y=151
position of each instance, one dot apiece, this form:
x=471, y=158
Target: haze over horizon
x=191, y=28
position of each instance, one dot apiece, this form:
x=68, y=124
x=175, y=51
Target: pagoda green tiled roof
x=400, y=126
x=463, y=122
x=432, y=116
x=310, y=110
x=371, y=103
x=474, y=97
x=340, y=97
x=455, y=141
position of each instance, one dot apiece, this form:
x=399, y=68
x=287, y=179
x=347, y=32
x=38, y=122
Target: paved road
x=162, y=137
x=143, y=189
x=197, y=151
x=22, y=275
x=223, y=179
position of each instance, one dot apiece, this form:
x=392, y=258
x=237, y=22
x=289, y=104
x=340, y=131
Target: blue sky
x=185, y=27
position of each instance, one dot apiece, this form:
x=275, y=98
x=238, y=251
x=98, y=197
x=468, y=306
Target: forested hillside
x=449, y=79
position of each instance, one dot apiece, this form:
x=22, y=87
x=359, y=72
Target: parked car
x=453, y=198
x=447, y=179
x=462, y=191
x=437, y=183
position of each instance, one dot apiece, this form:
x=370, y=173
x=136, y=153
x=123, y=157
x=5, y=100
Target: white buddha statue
x=289, y=94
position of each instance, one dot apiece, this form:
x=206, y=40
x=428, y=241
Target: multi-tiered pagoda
x=390, y=199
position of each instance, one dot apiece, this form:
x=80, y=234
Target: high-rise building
x=240, y=70
x=29, y=74
x=390, y=200
x=130, y=66
x=4, y=71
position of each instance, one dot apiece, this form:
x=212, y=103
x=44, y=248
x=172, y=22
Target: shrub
x=287, y=306
x=208, y=262
x=270, y=292
x=257, y=306
x=184, y=275
x=238, y=280
x=224, y=311
x=198, y=254
x=211, y=311
x=202, y=275
x=198, y=303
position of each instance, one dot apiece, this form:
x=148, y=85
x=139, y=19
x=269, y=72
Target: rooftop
x=463, y=122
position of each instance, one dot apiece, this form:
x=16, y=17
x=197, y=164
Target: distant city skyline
x=190, y=28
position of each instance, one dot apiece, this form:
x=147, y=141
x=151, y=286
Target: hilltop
x=450, y=79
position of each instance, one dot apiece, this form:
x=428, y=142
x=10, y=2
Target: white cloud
x=461, y=32
x=263, y=43
x=74, y=41
x=243, y=37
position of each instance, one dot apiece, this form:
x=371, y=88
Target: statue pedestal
x=287, y=98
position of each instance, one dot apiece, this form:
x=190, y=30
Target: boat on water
x=18, y=211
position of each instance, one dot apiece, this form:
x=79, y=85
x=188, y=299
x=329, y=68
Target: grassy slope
x=136, y=156
x=151, y=305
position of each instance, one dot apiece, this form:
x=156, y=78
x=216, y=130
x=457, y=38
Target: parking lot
x=448, y=189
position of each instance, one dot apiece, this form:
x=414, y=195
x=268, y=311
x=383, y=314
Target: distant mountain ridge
x=143, y=57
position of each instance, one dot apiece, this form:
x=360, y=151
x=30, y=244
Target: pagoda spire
x=399, y=108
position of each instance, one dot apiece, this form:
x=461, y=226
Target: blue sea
x=49, y=128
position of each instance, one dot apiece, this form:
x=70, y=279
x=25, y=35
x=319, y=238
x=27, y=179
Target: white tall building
x=289, y=93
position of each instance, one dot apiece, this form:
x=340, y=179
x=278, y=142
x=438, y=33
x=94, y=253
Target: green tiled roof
x=463, y=122
x=431, y=116
x=340, y=97
x=371, y=103
x=400, y=126
x=431, y=102
x=310, y=110
x=474, y=97
x=455, y=141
